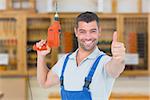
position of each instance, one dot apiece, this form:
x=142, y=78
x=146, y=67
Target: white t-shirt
x=74, y=75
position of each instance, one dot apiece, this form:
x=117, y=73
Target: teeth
x=88, y=42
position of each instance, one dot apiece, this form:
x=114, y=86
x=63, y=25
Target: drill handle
x=44, y=47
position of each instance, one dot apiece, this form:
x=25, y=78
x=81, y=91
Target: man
x=87, y=73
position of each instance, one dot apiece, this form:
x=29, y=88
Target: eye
x=82, y=31
x=93, y=31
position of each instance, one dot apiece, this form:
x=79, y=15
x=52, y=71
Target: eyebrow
x=82, y=30
x=94, y=29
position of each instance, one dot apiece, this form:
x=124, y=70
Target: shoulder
x=59, y=64
x=105, y=58
x=61, y=57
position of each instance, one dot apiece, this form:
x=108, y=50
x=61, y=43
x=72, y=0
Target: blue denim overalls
x=85, y=93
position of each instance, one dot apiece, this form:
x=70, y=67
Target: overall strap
x=63, y=69
x=88, y=79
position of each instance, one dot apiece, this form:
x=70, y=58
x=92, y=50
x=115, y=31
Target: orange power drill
x=53, y=35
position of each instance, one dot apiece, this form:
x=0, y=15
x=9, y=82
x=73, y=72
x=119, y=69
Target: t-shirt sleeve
x=57, y=68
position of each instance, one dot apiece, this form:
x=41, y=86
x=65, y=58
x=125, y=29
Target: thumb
x=115, y=37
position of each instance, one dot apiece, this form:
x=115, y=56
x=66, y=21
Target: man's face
x=87, y=34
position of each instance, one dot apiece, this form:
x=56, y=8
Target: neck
x=82, y=54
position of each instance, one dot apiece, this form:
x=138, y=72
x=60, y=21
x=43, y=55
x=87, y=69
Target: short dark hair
x=86, y=17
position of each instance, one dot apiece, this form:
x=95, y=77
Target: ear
x=75, y=30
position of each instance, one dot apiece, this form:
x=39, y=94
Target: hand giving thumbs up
x=117, y=49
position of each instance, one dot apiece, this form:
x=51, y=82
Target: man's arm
x=117, y=64
x=45, y=78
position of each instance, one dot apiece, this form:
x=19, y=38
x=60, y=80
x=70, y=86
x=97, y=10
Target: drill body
x=53, y=40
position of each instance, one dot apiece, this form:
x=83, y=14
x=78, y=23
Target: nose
x=88, y=36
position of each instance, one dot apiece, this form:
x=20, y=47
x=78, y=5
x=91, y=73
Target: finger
x=48, y=48
x=118, y=51
x=43, y=41
x=38, y=44
x=119, y=59
x=118, y=46
x=115, y=37
x=119, y=55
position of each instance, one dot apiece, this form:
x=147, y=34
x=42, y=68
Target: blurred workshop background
x=23, y=22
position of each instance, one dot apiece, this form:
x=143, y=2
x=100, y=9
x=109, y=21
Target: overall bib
x=85, y=93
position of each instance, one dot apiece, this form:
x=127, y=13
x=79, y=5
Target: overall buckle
x=61, y=81
x=87, y=83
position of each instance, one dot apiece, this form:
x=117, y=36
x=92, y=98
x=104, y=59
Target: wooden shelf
x=21, y=5
x=135, y=73
x=114, y=96
x=117, y=96
x=12, y=73
x=25, y=34
x=31, y=72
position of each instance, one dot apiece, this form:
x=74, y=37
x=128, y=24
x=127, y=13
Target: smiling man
x=87, y=73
